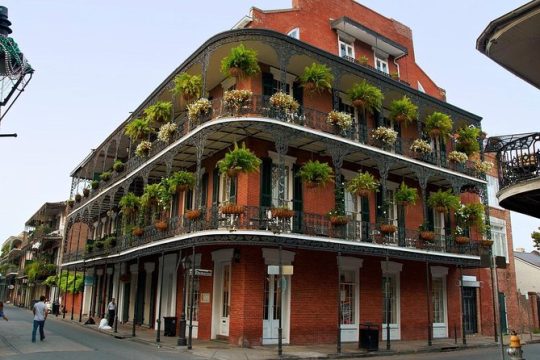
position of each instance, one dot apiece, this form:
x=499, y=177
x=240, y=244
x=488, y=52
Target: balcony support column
x=282, y=146
x=204, y=69
x=145, y=174
x=168, y=160
x=284, y=55
x=198, y=142
x=384, y=164
x=423, y=174
x=338, y=154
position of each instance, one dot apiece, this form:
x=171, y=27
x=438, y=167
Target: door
x=438, y=291
x=224, y=299
x=469, y=310
x=273, y=302
x=125, y=302
x=391, y=315
x=502, y=313
x=348, y=293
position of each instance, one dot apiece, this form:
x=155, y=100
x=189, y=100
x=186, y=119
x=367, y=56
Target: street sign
x=201, y=272
x=286, y=269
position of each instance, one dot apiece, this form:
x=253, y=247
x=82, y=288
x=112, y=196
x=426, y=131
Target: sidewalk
x=223, y=350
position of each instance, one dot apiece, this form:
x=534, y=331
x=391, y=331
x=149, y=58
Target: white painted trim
x=271, y=256
x=277, y=76
x=439, y=271
x=287, y=159
x=392, y=267
x=228, y=82
x=222, y=255
x=351, y=262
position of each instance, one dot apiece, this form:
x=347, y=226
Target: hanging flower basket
x=339, y=220
x=236, y=72
x=233, y=172
x=86, y=192
x=358, y=103
x=161, y=225
x=440, y=209
x=282, y=213
x=232, y=209
x=137, y=231
x=193, y=214
x=486, y=243
x=462, y=240
x=388, y=228
x=363, y=192
x=427, y=235
x=78, y=197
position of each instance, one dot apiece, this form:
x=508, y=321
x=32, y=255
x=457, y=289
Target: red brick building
x=335, y=254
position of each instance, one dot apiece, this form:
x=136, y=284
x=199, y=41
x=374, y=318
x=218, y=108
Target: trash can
x=170, y=326
x=369, y=337
x=56, y=308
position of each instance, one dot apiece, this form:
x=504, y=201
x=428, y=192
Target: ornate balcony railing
x=259, y=106
x=260, y=218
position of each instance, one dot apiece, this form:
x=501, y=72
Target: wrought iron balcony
x=302, y=224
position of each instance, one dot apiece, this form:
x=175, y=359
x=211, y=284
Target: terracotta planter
x=427, y=235
x=388, y=228
x=193, y=214
x=233, y=172
x=363, y=193
x=232, y=209
x=462, y=240
x=440, y=209
x=486, y=243
x=282, y=213
x=309, y=86
x=86, y=192
x=161, y=225
x=400, y=118
x=182, y=187
x=434, y=133
x=137, y=231
x=236, y=72
x=358, y=103
x=338, y=220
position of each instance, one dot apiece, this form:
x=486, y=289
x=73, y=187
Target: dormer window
x=346, y=48
x=294, y=33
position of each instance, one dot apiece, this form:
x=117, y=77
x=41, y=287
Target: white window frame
x=349, y=332
x=392, y=269
x=289, y=162
x=498, y=248
x=289, y=78
x=420, y=87
x=294, y=33
x=440, y=330
x=493, y=189
x=349, y=46
x=380, y=59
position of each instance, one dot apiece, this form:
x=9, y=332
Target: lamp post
x=182, y=330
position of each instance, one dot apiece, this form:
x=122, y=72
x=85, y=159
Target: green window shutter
x=188, y=200
x=233, y=183
x=297, y=199
x=431, y=219
x=204, y=189
x=267, y=84
x=215, y=187
x=266, y=183
x=379, y=211
x=364, y=203
x=298, y=93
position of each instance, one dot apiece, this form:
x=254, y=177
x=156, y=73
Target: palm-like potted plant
x=362, y=184
x=438, y=125
x=118, y=166
x=315, y=173
x=240, y=62
x=316, y=78
x=443, y=201
x=406, y=195
x=366, y=96
x=180, y=181
x=403, y=110
x=189, y=86
x=129, y=206
x=159, y=112
x=473, y=213
x=239, y=159
x=105, y=176
x=138, y=129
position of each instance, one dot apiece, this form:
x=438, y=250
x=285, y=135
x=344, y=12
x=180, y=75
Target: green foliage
x=39, y=268
x=51, y=280
x=317, y=77
x=105, y=176
x=241, y=58
x=138, y=129
x=110, y=242
x=316, y=173
x=94, y=184
x=371, y=96
x=71, y=283
x=535, y=235
x=403, y=110
x=159, y=112
x=406, y=195
x=364, y=181
x=240, y=159
x=129, y=203
x=118, y=166
x=180, y=179
x=5, y=249
x=187, y=85
x=467, y=140
x=444, y=199
x=439, y=124
x=474, y=213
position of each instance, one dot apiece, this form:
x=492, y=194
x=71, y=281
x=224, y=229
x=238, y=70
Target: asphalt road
x=68, y=341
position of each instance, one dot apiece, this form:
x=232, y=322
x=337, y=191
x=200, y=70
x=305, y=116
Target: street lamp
x=182, y=341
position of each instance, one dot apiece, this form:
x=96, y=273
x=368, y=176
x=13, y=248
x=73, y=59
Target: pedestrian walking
x=112, y=312
x=2, y=311
x=40, y=315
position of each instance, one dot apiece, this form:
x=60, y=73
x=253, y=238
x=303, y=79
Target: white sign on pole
x=286, y=269
x=201, y=272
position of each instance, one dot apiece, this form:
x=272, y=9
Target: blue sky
x=97, y=60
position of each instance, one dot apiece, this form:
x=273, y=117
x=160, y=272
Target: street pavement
x=64, y=340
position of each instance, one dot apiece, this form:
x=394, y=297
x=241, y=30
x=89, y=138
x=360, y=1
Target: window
x=381, y=64
x=294, y=33
x=493, y=189
x=346, y=49
x=498, y=235
x=389, y=294
x=347, y=287
x=276, y=82
x=437, y=291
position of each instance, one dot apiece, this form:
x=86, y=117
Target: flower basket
x=143, y=149
x=161, y=225
x=426, y=235
x=86, y=192
x=458, y=157
x=234, y=100
x=232, y=209
x=385, y=135
x=388, y=228
x=486, y=243
x=193, y=214
x=462, y=240
x=282, y=213
x=70, y=203
x=339, y=220
x=137, y=231
x=236, y=72
x=284, y=102
x=339, y=118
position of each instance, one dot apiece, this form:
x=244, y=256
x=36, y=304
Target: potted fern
x=362, y=184
x=159, y=112
x=129, y=206
x=118, y=166
x=189, y=86
x=443, y=201
x=316, y=78
x=138, y=129
x=403, y=110
x=180, y=181
x=240, y=62
x=438, y=125
x=315, y=173
x=366, y=96
x=406, y=195
x=105, y=176
x=94, y=184
x=239, y=159
x=467, y=140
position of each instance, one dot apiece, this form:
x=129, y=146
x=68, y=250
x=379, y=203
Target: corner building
x=352, y=273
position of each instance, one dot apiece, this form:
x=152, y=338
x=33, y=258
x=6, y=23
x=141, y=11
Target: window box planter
x=193, y=214
x=137, y=231
x=282, y=213
x=462, y=240
x=339, y=220
x=161, y=225
x=232, y=209
x=427, y=235
x=388, y=228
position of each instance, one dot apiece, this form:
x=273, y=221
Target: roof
x=45, y=212
x=532, y=258
x=512, y=42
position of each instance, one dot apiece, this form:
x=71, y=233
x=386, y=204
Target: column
x=149, y=268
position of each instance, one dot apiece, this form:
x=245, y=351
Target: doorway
x=273, y=304
x=470, y=319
